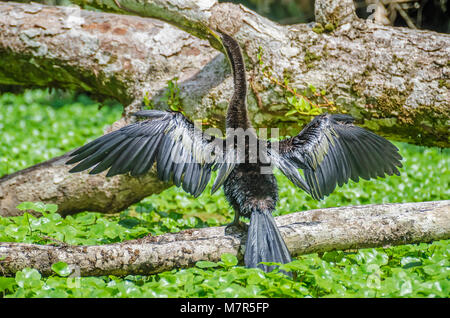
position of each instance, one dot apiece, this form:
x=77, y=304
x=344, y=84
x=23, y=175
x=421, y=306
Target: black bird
x=330, y=150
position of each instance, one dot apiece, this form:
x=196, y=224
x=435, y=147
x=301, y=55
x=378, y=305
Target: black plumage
x=181, y=153
x=330, y=150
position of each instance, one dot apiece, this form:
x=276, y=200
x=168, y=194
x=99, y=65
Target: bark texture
x=395, y=81
x=110, y=55
x=304, y=232
x=51, y=182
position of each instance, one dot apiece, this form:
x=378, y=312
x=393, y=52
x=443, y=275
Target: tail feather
x=264, y=242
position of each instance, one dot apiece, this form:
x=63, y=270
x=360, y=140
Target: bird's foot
x=236, y=227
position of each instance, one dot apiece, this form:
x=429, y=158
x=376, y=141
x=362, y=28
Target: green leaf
x=206, y=264
x=38, y=207
x=292, y=100
x=334, y=256
x=255, y=277
x=229, y=259
x=304, y=105
x=435, y=269
x=35, y=206
x=408, y=262
x=52, y=208
x=406, y=288
x=7, y=284
x=28, y=278
x=61, y=268
x=291, y=112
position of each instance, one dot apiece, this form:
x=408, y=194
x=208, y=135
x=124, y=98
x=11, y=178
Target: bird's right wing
x=183, y=153
x=331, y=150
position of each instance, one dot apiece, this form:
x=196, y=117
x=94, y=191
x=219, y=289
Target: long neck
x=237, y=110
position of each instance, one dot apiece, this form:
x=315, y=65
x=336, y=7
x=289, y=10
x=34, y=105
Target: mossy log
x=304, y=232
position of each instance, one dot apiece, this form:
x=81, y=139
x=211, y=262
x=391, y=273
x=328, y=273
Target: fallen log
x=320, y=230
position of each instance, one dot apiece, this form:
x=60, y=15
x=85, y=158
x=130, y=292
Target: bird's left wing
x=331, y=150
x=183, y=153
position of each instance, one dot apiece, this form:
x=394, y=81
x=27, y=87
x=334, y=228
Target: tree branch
x=397, y=77
x=393, y=80
x=336, y=12
x=304, y=232
x=50, y=181
x=110, y=55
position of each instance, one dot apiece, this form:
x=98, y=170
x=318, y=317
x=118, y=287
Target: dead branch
x=304, y=232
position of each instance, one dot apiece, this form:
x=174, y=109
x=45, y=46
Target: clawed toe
x=236, y=227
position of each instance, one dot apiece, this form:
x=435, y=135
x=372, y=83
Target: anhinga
x=330, y=150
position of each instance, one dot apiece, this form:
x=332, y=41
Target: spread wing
x=331, y=150
x=183, y=153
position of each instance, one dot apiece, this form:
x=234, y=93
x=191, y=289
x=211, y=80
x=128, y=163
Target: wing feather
x=331, y=150
x=183, y=154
